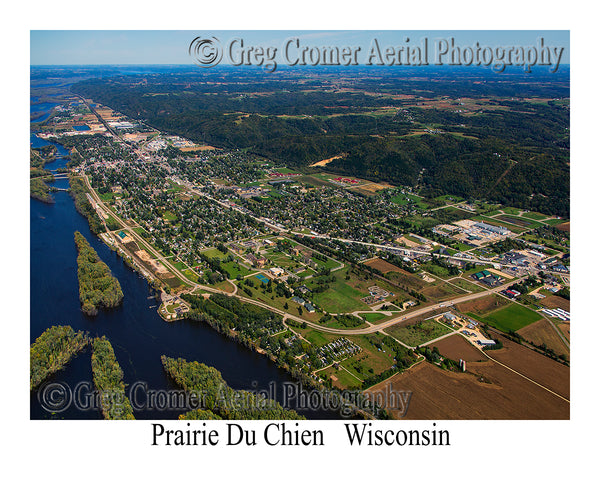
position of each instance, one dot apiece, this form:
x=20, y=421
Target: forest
x=513, y=150
x=97, y=286
x=108, y=379
x=220, y=399
x=52, y=350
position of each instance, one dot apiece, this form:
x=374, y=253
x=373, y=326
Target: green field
x=511, y=210
x=328, y=263
x=513, y=317
x=374, y=317
x=213, y=252
x=467, y=285
x=340, y=297
x=419, y=333
x=170, y=216
x=535, y=215
x=234, y=269
x=555, y=221
x=404, y=199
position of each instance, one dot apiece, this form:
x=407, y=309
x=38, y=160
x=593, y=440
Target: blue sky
x=91, y=47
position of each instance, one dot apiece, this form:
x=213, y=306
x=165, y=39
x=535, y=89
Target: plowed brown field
x=438, y=394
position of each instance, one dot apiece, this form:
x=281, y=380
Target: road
x=415, y=313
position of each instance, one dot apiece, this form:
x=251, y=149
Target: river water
x=138, y=334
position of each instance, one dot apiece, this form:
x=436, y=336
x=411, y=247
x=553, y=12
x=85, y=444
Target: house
x=298, y=300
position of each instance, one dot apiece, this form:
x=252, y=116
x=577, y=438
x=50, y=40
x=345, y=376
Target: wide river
x=138, y=334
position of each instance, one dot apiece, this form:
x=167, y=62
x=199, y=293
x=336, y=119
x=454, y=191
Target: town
x=360, y=279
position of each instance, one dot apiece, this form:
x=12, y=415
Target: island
x=97, y=286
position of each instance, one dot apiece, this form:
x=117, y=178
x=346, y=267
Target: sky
x=98, y=47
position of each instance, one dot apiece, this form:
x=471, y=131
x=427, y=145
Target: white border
x=489, y=449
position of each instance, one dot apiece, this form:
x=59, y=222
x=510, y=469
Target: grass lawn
x=318, y=339
x=235, y=269
x=213, y=252
x=329, y=263
x=190, y=275
x=347, y=376
x=170, y=216
x=419, y=333
x=512, y=317
x=449, y=199
x=473, y=287
x=284, y=261
x=437, y=270
x=555, y=221
x=305, y=273
x=340, y=298
x=461, y=246
x=511, y=210
x=374, y=317
x=278, y=302
x=535, y=215
x=179, y=265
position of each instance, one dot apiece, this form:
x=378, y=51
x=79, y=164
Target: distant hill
x=478, y=135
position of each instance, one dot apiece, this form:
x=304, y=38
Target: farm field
x=512, y=317
x=491, y=392
x=458, y=347
x=565, y=328
x=483, y=305
x=440, y=291
x=555, y=301
x=519, y=221
x=542, y=333
x=418, y=333
x=534, y=365
x=467, y=285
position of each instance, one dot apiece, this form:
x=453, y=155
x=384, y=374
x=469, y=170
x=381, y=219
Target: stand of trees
x=97, y=286
x=108, y=379
x=52, y=350
x=221, y=399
